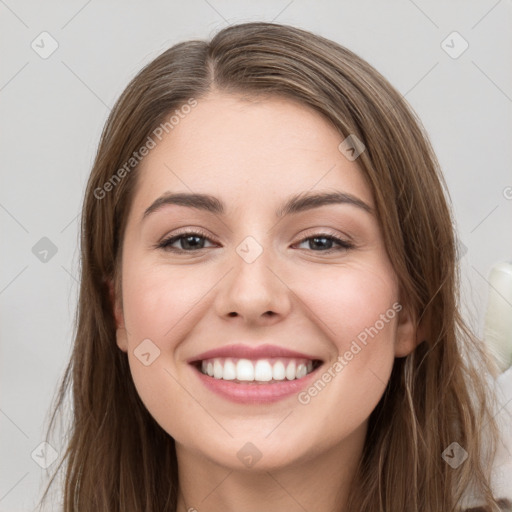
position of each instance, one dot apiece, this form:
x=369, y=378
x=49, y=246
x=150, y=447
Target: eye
x=190, y=241
x=325, y=242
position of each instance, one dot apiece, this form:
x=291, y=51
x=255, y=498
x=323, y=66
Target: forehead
x=255, y=148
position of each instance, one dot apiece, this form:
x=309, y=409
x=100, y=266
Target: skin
x=253, y=155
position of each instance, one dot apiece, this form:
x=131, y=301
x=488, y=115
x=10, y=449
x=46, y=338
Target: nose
x=254, y=292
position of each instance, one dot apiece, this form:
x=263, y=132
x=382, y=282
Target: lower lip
x=256, y=393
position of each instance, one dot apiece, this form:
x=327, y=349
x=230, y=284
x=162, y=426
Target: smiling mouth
x=260, y=371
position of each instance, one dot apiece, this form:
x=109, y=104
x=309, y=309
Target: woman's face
x=261, y=292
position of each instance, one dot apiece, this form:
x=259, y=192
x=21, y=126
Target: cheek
x=349, y=387
x=358, y=309
x=347, y=302
x=160, y=304
x=156, y=302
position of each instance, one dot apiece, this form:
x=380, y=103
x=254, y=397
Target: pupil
x=187, y=240
x=315, y=240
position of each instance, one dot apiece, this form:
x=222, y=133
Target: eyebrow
x=295, y=204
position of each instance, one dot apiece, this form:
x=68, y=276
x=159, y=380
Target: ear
x=115, y=302
x=408, y=334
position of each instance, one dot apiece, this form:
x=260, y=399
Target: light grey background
x=52, y=111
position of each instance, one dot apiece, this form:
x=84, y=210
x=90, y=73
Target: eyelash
x=343, y=245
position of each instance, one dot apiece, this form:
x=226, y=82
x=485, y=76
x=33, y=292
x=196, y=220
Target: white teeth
x=244, y=370
x=301, y=371
x=229, y=370
x=217, y=369
x=262, y=370
x=290, y=371
x=278, y=371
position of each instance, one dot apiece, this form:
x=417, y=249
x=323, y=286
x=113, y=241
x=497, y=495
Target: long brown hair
x=117, y=458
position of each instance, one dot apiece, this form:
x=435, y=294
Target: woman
x=268, y=306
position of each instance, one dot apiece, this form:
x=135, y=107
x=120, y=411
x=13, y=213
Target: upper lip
x=251, y=352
